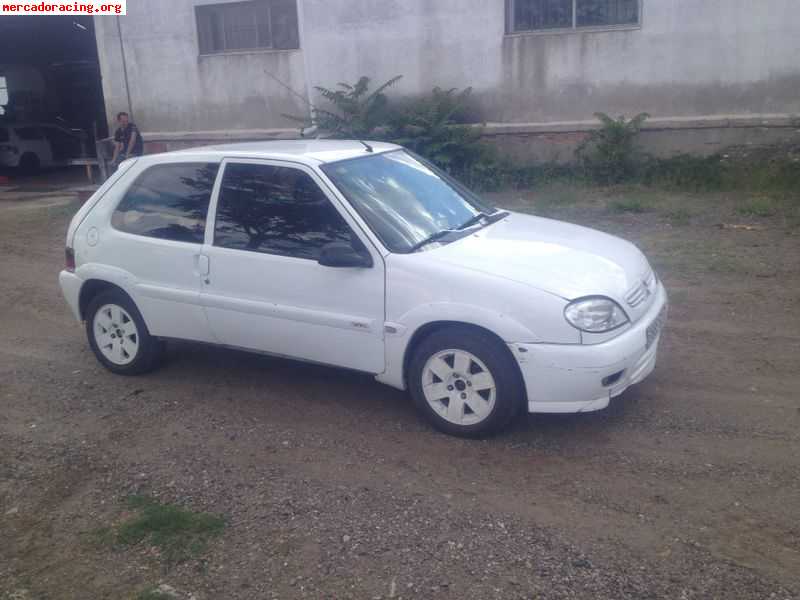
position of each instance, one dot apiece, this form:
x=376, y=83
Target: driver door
x=263, y=287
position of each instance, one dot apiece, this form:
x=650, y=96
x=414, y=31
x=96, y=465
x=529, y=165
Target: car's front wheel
x=118, y=335
x=465, y=382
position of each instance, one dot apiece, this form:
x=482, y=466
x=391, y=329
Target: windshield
x=404, y=199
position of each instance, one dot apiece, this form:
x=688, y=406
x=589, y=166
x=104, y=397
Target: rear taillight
x=69, y=255
x=7, y=148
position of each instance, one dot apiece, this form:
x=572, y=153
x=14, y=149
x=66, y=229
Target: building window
x=548, y=15
x=254, y=25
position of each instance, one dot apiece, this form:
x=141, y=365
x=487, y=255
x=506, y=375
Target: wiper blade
x=473, y=221
x=430, y=239
x=495, y=216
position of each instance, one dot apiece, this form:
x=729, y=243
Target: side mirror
x=341, y=254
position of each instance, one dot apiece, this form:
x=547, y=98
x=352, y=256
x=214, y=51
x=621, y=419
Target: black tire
x=509, y=390
x=29, y=163
x=150, y=349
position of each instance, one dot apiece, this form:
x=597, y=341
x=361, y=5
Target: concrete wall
x=173, y=88
x=690, y=59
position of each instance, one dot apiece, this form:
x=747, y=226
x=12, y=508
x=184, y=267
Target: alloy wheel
x=116, y=334
x=459, y=387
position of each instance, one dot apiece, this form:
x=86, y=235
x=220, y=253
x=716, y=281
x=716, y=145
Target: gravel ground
x=687, y=487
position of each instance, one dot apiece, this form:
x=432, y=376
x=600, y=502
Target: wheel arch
x=427, y=329
x=29, y=155
x=91, y=288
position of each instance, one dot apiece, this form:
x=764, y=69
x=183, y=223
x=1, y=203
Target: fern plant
x=430, y=126
x=355, y=111
x=609, y=154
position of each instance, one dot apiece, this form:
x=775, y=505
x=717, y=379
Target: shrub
x=766, y=169
x=429, y=127
x=435, y=126
x=684, y=171
x=608, y=155
x=355, y=112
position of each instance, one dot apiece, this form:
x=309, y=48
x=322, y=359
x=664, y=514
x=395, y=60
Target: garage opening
x=51, y=97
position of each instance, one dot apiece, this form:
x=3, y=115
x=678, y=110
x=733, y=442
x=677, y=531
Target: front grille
x=642, y=291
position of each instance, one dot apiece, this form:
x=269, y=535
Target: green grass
x=679, y=217
x=153, y=593
x=627, y=205
x=691, y=258
x=178, y=533
x=758, y=207
x=555, y=197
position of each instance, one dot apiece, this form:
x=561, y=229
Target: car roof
x=30, y=124
x=317, y=151
x=22, y=124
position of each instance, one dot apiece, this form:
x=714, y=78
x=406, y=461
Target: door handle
x=203, y=265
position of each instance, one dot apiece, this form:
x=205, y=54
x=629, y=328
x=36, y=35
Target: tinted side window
x=275, y=210
x=168, y=202
x=29, y=133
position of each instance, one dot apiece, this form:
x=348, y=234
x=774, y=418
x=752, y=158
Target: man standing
x=127, y=140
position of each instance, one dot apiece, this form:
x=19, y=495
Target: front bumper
x=9, y=159
x=563, y=378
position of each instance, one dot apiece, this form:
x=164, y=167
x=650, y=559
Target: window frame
x=357, y=228
x=574, y=29
x=137, y=177
x=255, y=50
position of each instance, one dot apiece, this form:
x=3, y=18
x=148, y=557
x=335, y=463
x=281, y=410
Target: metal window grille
x=544, y=15
x=257, y=24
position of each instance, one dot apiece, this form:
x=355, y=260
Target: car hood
x=560, y=258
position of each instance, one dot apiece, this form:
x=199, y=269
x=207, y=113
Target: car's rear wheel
x=29, y=163
x=465, y=382
x=118, y=335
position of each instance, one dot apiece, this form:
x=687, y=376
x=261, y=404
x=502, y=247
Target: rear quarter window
x=168, y=202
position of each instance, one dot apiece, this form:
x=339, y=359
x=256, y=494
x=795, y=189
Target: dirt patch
x=331, y=487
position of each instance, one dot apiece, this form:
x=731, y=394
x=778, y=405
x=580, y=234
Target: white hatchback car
x=367, y=257
x=30, y=146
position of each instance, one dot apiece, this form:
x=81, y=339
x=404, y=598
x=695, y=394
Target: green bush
x=355, y=112
x=772, y=169
x=438, y=126
x=429, y=127
x=609, y=154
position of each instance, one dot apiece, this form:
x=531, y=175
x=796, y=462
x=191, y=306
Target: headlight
x=595, y=315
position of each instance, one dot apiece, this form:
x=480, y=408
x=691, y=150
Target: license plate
x=656, y=326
